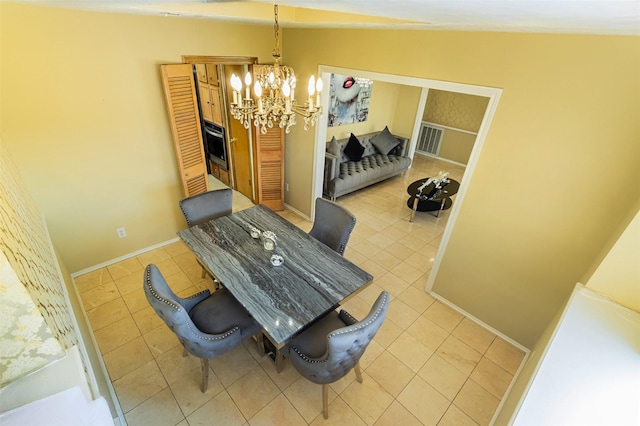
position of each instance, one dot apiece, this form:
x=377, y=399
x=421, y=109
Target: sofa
x=382, y=155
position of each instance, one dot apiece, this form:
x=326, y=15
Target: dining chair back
x=333, y=346
x=332, y=224
x=206, y=324
x=204, y=207
x=209, y=205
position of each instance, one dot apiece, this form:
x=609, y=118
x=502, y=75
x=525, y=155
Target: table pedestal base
x=415, y=204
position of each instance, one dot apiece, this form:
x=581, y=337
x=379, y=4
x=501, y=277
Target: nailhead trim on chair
x=153, y=292
x=355, y=328
x=350, y=316
x=343, y=246
x=177, y=308
x=185, y=216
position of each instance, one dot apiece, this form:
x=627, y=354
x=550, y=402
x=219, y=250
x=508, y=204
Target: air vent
x=429, y=139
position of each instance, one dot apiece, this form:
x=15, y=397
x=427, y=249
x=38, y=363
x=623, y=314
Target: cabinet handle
x=232, y=140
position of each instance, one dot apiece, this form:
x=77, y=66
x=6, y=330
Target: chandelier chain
x=276, y=30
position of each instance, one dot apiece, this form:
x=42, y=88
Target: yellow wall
x=85, y=120
x=534, y=217
x=83, y=116
x=406, y=110
x=25, y=242
x=456, y=146
x=618, y=275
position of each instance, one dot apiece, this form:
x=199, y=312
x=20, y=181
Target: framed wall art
x=349, y=99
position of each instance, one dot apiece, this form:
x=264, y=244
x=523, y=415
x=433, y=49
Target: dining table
x=285, y=298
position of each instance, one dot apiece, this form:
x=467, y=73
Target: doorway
x=493, y=94
x=239, y=171
x=239, y=142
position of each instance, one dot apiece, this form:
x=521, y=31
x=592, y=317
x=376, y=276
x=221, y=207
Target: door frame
x=493, y=93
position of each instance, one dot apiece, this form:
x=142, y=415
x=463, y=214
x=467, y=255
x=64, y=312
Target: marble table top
x=283, y=299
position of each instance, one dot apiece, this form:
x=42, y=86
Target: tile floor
x=427, y=365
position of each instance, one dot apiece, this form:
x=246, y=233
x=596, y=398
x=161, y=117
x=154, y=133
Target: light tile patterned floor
x=427, y=365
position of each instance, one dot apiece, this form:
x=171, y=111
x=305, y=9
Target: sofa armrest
x=402, y=150
x=331, y=168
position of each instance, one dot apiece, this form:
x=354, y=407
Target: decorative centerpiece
x=439, y=181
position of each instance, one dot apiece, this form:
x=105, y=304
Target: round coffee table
x=431, y=199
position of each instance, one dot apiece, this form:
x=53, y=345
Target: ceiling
x=542, y=16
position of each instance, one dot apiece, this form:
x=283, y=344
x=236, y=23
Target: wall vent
x=429, y=139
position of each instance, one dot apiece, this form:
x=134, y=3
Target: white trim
x=91, y=378
x=545, y=350
x=525, y=359
x=446, y=160
x=494, y=98
x=450, y=128
x=121, y=258
x=320, y=146
x=413, y=144
x=512, y=383
x=325, y=72
x=321, y=131
x=480, y=323
x=298, y=212
x=92, y=382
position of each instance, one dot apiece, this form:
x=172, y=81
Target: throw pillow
x=334, y=147
x=384, y=141
x=354, y=148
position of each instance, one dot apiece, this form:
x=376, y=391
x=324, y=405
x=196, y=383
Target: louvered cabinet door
x=182, y=105
x=270, y=168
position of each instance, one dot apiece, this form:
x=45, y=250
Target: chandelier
x=274, y=89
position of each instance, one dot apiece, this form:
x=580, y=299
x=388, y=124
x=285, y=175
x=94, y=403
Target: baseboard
x=440, y=158
x=481, y=323
x=121, y=258
x=525, y=359
x=298, y=212
x=153, y=247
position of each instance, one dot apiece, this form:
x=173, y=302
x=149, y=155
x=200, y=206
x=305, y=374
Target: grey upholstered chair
x=204, y=207
x=332, y=225
x=206, y=324
x=330, y=348
x=209, y=205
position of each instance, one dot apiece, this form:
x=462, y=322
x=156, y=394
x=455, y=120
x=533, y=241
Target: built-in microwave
x=215, y=144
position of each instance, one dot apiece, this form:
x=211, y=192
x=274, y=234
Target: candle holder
x=276, y=260
x=255, y=232
x=269, y=240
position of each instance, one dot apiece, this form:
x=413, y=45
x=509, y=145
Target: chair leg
x=358, y=372
x=325, y=401
x=205, y=374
